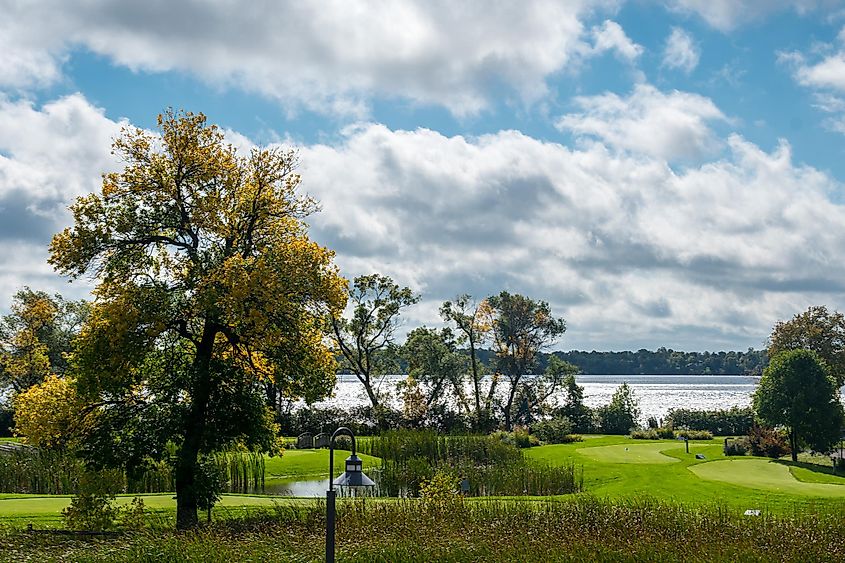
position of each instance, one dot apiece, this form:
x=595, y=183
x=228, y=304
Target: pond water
x=657, y=394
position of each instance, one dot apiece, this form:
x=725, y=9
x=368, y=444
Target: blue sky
x=663, y=172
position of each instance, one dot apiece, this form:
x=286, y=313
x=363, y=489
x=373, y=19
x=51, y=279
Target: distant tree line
x=663, y=361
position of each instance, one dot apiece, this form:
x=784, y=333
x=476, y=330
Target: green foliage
x=32, y=470
x=660, y=433
x=798, y=393
x=694, y=434
x=573, y=406
x=441, y=491
x=521, y=327
x=519, y=437
x=621, y=415
x=735, y=421
x=737, y=447
x=473, y=325
x=365, y=341
x=37, y=336
x=768, y=442
x=492, y=466
x=817, y=330
x=553, y=431
x=666, y=362
x=207, y=287
x=436, y=373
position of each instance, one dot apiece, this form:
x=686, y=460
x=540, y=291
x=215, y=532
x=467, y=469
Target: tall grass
x=491, y=466
x=30, y=470
x=581, y=528
x=36, y=471
x=243, y=471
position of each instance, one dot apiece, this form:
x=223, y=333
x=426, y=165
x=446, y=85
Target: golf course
x=614, y=468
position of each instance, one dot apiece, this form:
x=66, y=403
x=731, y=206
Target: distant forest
x=663, y=361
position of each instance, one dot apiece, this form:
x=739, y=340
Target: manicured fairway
x=763, y=474
x=310, y=464
x=631, y=453
x=47, y=509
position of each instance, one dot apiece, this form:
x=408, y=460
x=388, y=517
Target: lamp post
x=353, y=476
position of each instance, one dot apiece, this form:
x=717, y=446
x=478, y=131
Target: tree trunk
x=509, y=407
x=475, y=384
x=793, y=444
x=186, y=462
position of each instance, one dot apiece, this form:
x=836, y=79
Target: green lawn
x=310, y=464
x=614, y=467
x=663, y=470
x=765, y=474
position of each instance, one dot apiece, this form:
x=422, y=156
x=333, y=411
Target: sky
x=662, y=172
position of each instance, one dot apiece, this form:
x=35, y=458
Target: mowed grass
x=629, y=453
x=646, y=470
x=764, y=474
x=310, y=464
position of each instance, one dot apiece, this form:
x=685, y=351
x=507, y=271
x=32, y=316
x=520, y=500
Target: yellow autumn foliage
x=45, y=413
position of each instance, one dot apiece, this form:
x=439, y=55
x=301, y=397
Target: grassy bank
x=580, y=528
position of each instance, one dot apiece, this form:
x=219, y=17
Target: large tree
x=436, y=365
x=798, y=392
x=207, y=285
x=36, y=336
x=365, y=341
x=521, y=328
x=815, y=329
x=472, y=321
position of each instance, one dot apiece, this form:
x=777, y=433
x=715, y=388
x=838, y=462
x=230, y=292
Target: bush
x=519, y=438
x=694, y=434
x=739, y=446
x=662, y=433
x=553, y=431
x=768, y=442
x=731, y=422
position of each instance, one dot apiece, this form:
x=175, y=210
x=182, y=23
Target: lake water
x=656, y=393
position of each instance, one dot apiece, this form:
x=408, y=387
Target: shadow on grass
x=814, y=467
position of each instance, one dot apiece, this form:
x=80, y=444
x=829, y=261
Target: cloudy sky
x=663, y=172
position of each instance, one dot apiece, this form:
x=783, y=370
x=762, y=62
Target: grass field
x=615, y=468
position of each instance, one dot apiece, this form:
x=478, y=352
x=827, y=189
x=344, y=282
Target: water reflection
x=310, y=488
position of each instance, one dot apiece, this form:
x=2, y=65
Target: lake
x=656, y=393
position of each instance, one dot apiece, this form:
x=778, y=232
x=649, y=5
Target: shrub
x=519, y=438
x=441, y=491
x=731, y=422
x=739, y=446
x=662, y=433
x=644, y=434
x=694, y=434
x=553, y=431
x=652, y=422
x=768, y=442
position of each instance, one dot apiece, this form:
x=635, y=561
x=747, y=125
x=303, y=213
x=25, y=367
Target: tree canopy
x=365, y=341
x=798, y=392
x=521, y=327
x=815, y=329
x=207, y=285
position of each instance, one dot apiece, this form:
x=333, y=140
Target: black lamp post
x=352, y=477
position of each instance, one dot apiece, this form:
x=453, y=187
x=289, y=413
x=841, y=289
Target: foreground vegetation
x=583, y=528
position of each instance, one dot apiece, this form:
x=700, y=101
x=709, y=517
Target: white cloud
x=726, y=15
x=611, y=37
x=631, y=252
x=672, y=126
x=710, y=257
x=823, y=72
x=680, y=51
x=329, y=56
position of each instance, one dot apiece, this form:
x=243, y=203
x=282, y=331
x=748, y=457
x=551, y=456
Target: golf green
x=763, y=474
x=630, y=453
